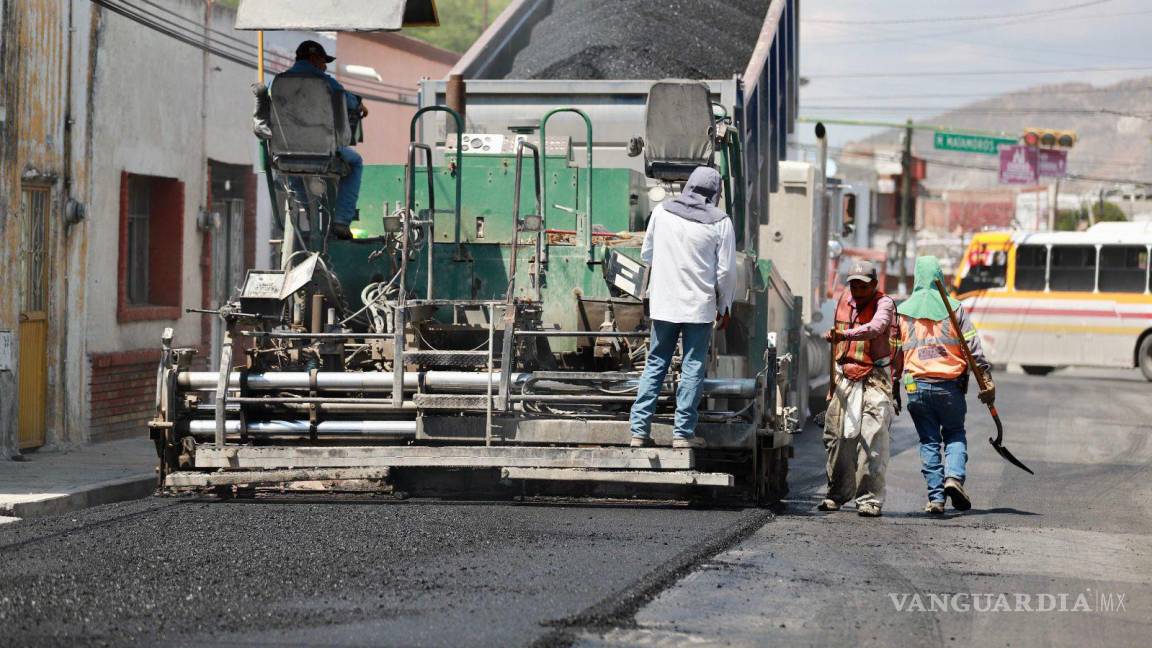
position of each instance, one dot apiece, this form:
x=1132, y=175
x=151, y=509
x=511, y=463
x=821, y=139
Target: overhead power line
x=940, y=19
x=978, y=95
x=983, y=111
x=234, y=53
x=971, y=73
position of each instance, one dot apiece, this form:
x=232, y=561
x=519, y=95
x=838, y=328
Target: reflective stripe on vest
x=931, y=349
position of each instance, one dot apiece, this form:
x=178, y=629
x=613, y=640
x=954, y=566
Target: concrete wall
x=159, y=114
x=401, y=62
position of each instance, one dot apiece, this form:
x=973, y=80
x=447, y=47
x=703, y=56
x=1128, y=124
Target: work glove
x=897, y=403
x=988, y=396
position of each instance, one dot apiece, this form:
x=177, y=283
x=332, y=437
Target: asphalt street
x=365, y=572
x=1081, y=527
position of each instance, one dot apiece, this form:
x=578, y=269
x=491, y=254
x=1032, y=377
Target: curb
x=117, y=490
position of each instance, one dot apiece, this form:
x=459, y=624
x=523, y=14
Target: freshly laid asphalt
x=341, y=572
x=292, y=571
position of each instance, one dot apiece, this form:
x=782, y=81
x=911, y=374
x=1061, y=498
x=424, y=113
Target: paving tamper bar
x=641, y=39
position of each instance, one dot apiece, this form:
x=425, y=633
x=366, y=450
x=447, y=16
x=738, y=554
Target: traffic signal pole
x=906, y=206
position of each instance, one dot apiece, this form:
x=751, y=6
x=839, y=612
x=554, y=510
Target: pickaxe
x=982, y=380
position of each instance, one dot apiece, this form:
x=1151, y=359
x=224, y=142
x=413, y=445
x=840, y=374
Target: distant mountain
x=1114, y=125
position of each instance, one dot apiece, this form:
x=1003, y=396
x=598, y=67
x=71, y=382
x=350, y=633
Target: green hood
x=925, y=303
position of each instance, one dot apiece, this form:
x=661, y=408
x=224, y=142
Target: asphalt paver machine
x=485, y=330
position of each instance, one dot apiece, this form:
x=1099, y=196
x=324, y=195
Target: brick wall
x=123, y=393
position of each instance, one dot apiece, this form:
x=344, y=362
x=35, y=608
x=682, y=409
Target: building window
x=1123, y=268
x=151, y=248
x=1031, y=267
x=1073, y=268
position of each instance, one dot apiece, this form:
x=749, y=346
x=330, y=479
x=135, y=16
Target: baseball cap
x=861, y=271
x=309, y=48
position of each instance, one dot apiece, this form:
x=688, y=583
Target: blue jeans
x=662, y=345
x=348, y=191
x=938, y=411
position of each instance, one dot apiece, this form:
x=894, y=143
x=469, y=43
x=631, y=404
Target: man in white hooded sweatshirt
x=690, y=248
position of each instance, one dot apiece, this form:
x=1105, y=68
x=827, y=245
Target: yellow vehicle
x=1050, y=299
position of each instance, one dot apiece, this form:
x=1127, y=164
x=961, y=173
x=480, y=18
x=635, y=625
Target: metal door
x=33, y=329
x=227, y=257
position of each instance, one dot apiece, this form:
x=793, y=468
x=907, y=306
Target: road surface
x=367, y=572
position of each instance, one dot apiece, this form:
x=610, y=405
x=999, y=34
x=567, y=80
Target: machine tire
x=1037, y=370
x=1144, y=357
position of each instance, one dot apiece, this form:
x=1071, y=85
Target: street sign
x=1019, y=165
x=945, y=141
x=1053, y=163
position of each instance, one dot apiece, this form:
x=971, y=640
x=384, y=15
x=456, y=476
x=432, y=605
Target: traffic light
x=1049, y=138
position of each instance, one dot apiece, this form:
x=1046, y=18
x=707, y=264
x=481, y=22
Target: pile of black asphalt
x=642, y=39
x=339, y=571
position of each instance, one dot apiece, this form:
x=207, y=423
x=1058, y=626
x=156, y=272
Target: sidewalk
x=49, y=483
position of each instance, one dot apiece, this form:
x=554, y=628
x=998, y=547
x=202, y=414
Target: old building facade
x=128, y=195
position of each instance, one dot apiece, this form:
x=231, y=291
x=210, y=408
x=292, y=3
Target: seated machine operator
x=313, y=60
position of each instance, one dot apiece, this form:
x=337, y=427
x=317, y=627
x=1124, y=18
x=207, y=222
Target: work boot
x=828, y=505
x=340, y=231
x=689, y=442
x=934, y=508
x=642, y=442
x=868, y=509
x=955, y=490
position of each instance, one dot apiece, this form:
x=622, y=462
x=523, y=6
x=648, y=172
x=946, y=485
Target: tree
x=1068, y=220
x=461, y=23
x=1107, y=211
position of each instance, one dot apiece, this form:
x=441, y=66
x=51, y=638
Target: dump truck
x=485, y=330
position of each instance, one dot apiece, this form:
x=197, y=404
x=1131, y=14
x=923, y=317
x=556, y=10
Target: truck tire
x=1037, y=370
x=1144, y=357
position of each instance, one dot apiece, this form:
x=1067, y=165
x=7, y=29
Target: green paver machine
x=485, y=330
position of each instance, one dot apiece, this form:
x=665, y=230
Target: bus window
x=1073, y=268
x=1123, y=268
x=985, y=270
x=1031, y=264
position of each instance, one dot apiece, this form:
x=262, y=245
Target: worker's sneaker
x=868, y=509
x=828, y=504
x=340, y=231
x=642, y=442
x=934, y=508
x=955, y=490
x=688, y=442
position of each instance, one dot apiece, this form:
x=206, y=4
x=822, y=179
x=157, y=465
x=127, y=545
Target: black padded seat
x=679, y=130
x=309, y=124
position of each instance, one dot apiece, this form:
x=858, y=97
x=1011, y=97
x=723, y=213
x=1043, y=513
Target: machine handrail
x=410, y=206
x=520, y=146
x=398, y=312
x=459, y=160
x=586, y=221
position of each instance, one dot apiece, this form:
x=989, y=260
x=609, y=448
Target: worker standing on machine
x=860, y=411
x=311, y=59
x=933, y=371
x=690, y=249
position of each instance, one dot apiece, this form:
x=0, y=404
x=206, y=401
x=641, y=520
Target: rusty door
x=33, y=329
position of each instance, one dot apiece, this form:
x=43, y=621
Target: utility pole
x=906, y=207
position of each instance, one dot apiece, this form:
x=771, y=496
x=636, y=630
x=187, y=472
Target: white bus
x=1051, y=299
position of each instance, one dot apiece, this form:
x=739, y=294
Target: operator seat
x=679, y=130
x=309, y=124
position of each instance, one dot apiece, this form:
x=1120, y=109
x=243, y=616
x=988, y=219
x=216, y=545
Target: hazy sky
x=843, y=40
